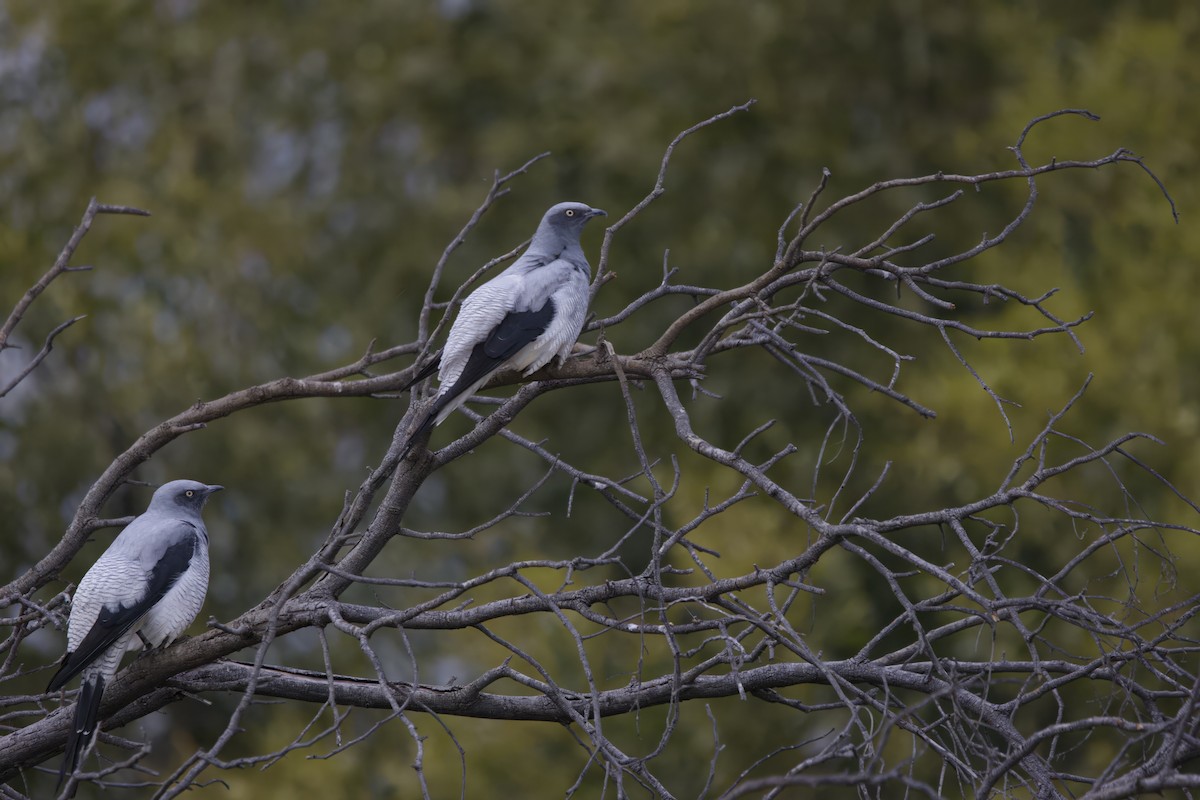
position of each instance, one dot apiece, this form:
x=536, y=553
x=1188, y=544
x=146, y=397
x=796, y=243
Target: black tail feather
x=430, y=418
x=87, y=712
x=425, y=372
x=422, y=431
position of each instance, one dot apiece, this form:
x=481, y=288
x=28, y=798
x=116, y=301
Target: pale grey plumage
x=145, y=589
x=523, y=318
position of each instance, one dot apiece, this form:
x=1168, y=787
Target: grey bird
x=144, y=590
x=527, y=315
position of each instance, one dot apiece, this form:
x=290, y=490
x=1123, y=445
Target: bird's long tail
x=420, y=432
x=441, y=406
x=424, y=373
x=87, y=710
x=430, y=418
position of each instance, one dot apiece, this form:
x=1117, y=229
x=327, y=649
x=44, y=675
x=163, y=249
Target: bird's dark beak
x=597, y=212
x=214, y=488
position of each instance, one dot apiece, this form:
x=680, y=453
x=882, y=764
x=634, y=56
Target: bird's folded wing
x=481, y=314
x=570, y=300
x=517, y=329
x=117, y=616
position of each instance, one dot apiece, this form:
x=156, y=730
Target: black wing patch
x=516, y=330
x=112, y=623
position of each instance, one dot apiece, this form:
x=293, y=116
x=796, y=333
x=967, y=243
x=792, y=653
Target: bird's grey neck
x=553, y=250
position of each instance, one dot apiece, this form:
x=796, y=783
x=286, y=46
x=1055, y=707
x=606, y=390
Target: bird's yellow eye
x=570, y=212
x=190, y=493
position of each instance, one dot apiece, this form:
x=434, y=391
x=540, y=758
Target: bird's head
x=190, y=495
x=568, y=219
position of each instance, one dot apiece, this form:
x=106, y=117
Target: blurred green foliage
x=307, y=162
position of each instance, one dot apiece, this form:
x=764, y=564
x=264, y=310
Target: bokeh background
x=307, y=162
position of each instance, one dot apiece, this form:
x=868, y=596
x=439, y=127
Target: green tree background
x=306, y=163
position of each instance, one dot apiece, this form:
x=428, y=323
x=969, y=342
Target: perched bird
x=145, y=589
x=521, y=319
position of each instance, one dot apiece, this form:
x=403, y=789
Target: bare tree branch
x=968, y=681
